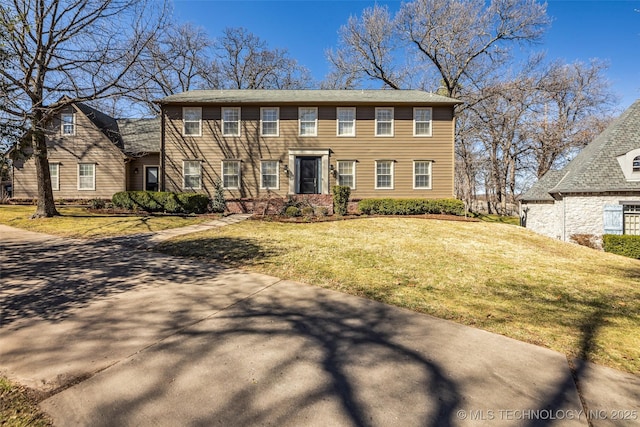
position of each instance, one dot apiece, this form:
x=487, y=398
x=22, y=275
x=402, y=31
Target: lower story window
x=347, y=173
x=86, y=176
x=422, y=174
x=384, y=174
x=231, y=174
x=269, y=174
x=54, y=171
x=191, y=173
x=631, y=219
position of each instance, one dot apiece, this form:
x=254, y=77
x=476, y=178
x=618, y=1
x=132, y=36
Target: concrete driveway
x=122, y=337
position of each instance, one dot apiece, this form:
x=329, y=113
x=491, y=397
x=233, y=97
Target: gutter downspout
x=564, y=218
x=162, y=152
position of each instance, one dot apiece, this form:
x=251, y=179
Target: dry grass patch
x=80, y=223
x=497, y=277
x=19, y=406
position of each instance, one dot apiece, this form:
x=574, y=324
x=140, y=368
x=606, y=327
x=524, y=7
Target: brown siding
x=211, y=148
x=88, y=145
x=135, y=181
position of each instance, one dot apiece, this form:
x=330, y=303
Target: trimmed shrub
x=157, y=201
x=625, y=245
x=292, y=211
x=307, y=211
x=97, y=204
x=411, y=206
x=341, y=194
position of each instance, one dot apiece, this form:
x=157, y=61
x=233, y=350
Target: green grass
x=19, y=406
x=80, y=223
x=513, y=220
x=497, y=277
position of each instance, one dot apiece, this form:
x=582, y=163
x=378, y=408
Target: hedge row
x=626, y=245
x=158, y=201
x=411, y=206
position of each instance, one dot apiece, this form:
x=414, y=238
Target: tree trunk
x=46, y=207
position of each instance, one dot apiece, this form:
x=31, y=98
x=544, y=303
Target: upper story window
x=269, y=121
x=308, y=118
x=231, y=174
x=422, y=122
x=384, y=121
x=231, y=121
x=68, y=123
x=346, y=121
x=192, y=121
x=636, y=164
x=191, y=172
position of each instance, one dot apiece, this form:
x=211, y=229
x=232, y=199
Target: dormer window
x=636, y=164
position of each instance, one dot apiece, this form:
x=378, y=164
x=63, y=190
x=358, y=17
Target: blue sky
x=581, y=30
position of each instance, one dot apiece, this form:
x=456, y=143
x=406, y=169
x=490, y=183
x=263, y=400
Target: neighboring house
x=275, y=143
x=597, y=193
x=92, y=155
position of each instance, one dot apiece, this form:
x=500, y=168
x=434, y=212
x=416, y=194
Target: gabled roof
x=539, y=192
x=265, y=96
x=105, y=123
x=596, y=167
x=140, y=135
x=131, y=136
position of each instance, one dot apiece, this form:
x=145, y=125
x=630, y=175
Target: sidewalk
x=116, y=336
x=151, y=239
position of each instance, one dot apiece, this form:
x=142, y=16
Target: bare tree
x=244, y=61
x=177, y=60
x=570, y=110
x=464, y=39
x=65, y=51
x=367, y=48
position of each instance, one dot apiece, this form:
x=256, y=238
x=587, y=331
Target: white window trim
x=392, y=175
x=239, y=121
x=184, y=121
x=184, y=181
x=277, y=187
x=430, y=122
x=277, y=121
x=315, y=128
x=93, y=183
x=392, y=122
x=55, y=186
x=239, y=175
x=430, y=162
x=63, y=123
x=346, y=135
x=353, y=163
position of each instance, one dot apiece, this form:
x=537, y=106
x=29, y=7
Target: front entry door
x=151, y=178
x=308, y=175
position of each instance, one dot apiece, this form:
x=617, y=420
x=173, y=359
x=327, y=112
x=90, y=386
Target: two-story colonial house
x=266, y=143
x=259, y=144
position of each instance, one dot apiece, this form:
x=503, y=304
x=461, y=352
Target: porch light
x=286, y=169
x=135, y=171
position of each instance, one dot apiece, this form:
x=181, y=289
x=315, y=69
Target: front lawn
x=493, y=276
x=80, y=223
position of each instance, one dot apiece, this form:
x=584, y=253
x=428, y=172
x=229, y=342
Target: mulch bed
x=306, y=220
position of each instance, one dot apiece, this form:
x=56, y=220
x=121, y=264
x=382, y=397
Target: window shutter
x=612, y=219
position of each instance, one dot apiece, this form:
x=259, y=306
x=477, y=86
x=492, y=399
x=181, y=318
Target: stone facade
x=544, y=218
